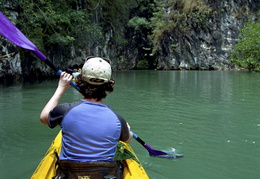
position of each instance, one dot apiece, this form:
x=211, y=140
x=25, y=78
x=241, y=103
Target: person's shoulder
x=75, y=103
x=66, y=106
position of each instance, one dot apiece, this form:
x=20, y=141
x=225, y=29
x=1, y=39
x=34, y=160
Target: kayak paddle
x=13, y=34
x=156, y=153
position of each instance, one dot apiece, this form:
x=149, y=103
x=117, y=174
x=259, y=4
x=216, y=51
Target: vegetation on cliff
x=178, y=14
x=55, y=25
x=247, y=51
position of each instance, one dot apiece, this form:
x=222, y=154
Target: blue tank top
x=90, y=131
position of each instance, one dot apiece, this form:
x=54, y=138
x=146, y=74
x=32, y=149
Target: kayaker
x=90, y=129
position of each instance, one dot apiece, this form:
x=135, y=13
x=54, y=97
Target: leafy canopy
x=246, y=52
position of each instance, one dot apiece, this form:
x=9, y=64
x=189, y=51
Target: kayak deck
x=46, y=168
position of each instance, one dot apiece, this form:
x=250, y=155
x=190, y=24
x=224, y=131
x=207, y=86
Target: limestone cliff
x=195, y=41
x=206, y=45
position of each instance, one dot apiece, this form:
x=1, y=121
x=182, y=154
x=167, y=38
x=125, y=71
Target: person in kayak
x=90, y=129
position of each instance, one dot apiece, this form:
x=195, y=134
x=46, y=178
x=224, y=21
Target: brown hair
x=94, y=91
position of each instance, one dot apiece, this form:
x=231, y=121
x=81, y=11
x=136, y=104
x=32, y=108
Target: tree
x=246, y=52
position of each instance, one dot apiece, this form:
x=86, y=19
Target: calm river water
x=212, y=117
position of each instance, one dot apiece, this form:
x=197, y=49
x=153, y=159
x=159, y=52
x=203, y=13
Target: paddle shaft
x=138, y=139
x=52, y=66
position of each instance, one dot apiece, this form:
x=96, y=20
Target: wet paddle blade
x=9, y=31
x=154, y=152
x=170, y=156
x=161, y=154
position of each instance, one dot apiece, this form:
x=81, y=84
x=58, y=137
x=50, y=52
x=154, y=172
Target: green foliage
x=142, y=65
x=122, y=153
x=246, y=52
x=181, y=14
x=55, y=25
x=139, y=28
x=115, y=14
x=138, y=23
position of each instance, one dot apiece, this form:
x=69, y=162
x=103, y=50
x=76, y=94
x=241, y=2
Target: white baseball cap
x=96, y=71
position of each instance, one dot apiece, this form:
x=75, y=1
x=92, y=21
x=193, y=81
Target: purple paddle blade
x=9, y=31
x=154, y=152
x=161, y=154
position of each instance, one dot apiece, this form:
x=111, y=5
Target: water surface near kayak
x=212, y=117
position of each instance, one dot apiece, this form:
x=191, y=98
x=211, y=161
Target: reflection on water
x=213, y=118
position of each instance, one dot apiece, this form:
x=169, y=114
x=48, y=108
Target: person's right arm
x=64, y=84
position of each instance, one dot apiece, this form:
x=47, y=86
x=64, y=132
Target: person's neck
x=94, y=100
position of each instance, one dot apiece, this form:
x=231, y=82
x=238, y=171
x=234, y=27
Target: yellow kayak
x=46, y=169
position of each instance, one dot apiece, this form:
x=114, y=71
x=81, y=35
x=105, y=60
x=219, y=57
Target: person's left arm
x=130, y=134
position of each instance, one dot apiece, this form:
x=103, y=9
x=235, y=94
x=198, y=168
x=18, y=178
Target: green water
x=213, y=118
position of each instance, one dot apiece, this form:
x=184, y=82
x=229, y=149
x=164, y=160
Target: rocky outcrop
x=206, y=47
x=10, y=61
